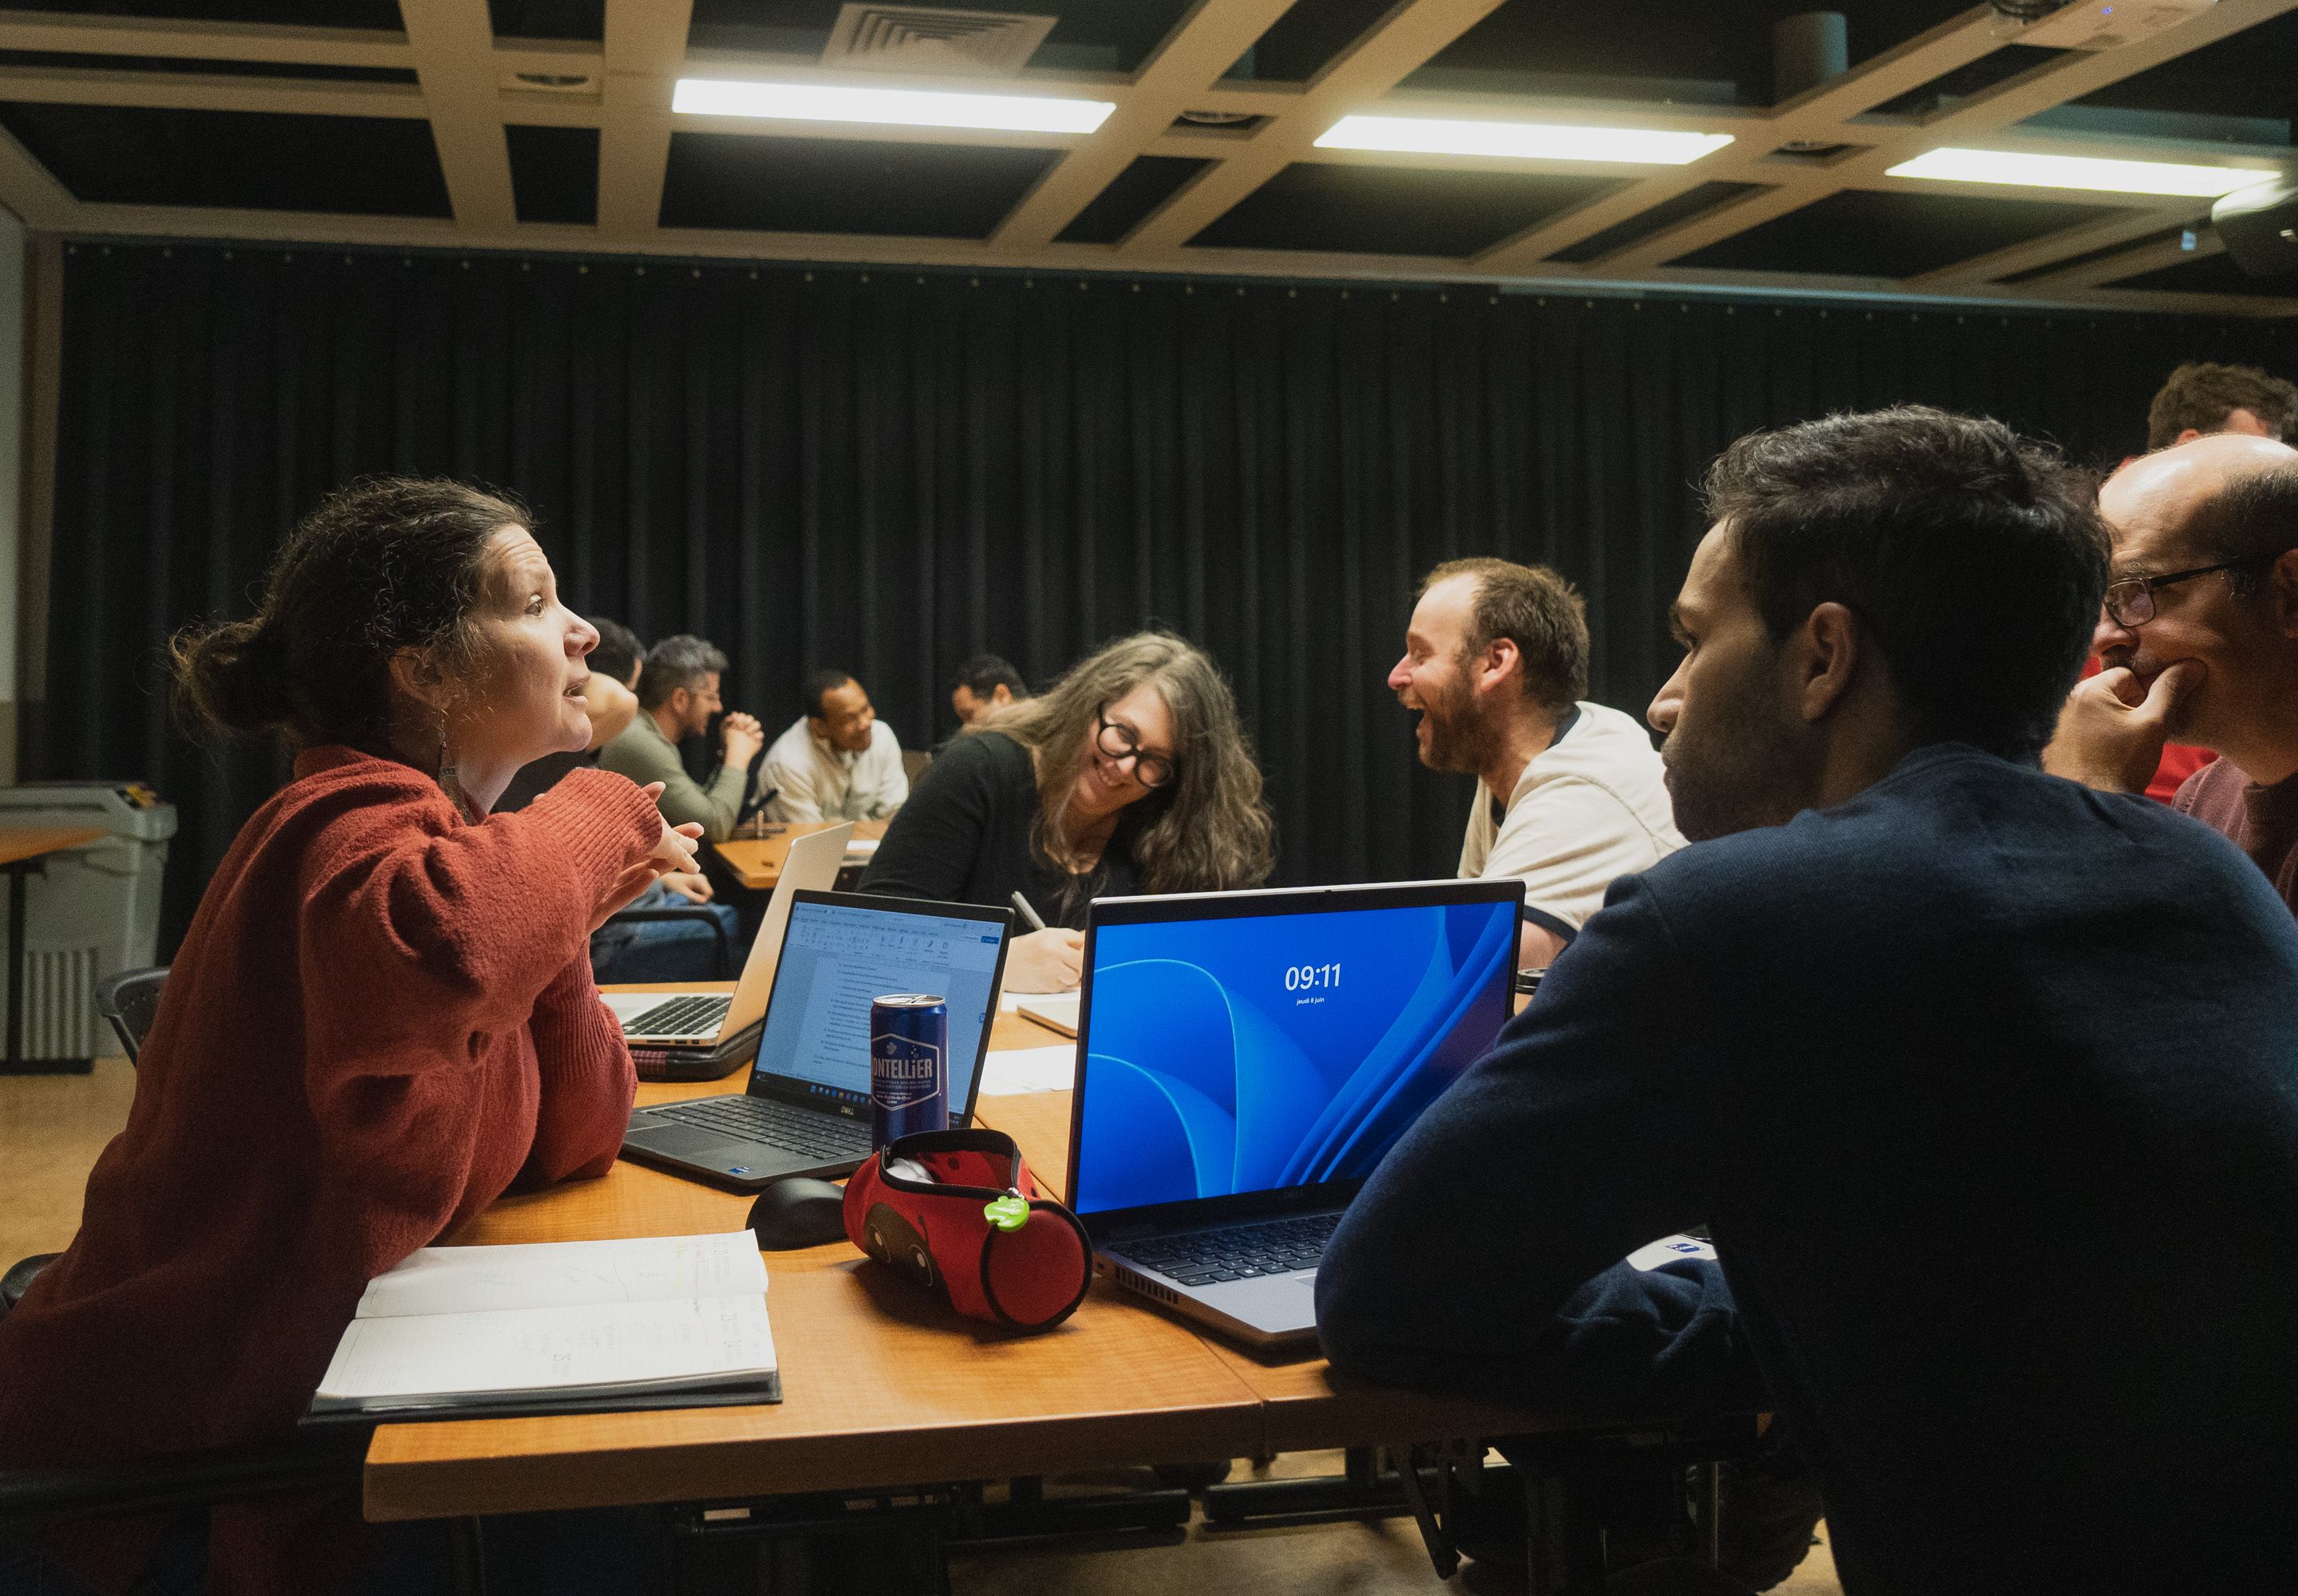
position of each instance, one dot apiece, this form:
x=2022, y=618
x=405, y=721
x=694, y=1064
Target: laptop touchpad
x=680, y=1141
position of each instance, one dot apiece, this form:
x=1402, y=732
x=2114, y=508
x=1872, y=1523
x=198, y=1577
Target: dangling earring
x=449, y=783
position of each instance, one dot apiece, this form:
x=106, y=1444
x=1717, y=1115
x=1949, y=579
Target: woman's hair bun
x=382, y=564
x=231, y=676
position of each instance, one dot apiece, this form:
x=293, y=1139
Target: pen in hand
x=1029, y=916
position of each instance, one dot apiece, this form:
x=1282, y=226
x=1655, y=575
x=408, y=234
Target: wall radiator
x=60, y=1017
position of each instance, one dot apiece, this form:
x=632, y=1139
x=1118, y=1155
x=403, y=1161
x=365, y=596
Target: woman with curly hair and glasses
x=1129, y=774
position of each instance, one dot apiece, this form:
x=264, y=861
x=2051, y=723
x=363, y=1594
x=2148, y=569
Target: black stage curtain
x=886, y=472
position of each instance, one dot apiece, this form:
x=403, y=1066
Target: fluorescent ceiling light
x=908, y=107
x=2079, y=172
x=1524, y=141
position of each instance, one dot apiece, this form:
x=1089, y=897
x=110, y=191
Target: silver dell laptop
x=706, y=1019
x=1245, y=1059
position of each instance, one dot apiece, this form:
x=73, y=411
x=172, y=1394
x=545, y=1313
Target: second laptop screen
x=1264, y=1052
x=838, y=957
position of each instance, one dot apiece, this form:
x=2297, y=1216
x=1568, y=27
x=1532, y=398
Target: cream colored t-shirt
x=813, y=781
x=1590, y=807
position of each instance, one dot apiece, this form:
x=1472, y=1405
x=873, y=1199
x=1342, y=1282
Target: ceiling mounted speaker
x=930, y=40
x=2258, y=226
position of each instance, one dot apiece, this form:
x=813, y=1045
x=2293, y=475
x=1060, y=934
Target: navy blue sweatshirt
x=1988, y=1085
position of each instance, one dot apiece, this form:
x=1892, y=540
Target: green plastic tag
x=1007, y=1214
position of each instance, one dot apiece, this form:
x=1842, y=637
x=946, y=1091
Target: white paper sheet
x=1011, y=1070
x=532, y=1349
x=567, y=1274
x=1007, y=1002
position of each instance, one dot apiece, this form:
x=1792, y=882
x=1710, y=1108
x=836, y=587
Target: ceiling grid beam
x=645, y=51
x=453, y=42
x=2070, y=76
x=203, y=91
x=203, y=41
x=1206, y=44
x=2063, y=245
x=1400, y=44
x=2130, y=263
x=29, y=189
x=462, y=71
x=1816, y=116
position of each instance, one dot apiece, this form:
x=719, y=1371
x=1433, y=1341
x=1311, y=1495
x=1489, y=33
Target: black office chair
x=130, y=1000
x=165, y=1482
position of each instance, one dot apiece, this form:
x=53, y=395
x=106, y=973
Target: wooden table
x=881, y=1387
x=22, y=850
x=756, y=862
x=1306, y=1406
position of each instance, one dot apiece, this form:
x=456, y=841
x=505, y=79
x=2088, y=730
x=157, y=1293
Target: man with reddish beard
x=1985, y=1084
x=2199, y=634
x=1570, y=795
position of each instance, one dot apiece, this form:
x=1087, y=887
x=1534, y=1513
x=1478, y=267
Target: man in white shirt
x=841, y=762
x=1570, y=794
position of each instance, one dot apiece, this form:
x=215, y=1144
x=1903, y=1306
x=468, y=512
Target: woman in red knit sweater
x=381, y=1021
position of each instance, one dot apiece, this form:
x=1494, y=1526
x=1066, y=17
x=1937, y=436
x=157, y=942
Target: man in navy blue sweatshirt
x=1985, y=1083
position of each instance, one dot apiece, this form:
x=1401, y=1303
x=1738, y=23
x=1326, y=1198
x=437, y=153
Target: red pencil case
x=981, y=1231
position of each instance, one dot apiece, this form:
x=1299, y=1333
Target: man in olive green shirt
x=678, y=693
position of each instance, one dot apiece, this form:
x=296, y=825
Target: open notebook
x=558, y=1327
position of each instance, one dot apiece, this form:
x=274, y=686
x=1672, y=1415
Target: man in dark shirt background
x=984, y=683
x=1985, y=1083
x=2199, y=636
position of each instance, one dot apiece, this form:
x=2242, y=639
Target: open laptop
x=806, y=1109
x=706, y=1019
x=1245, y=1059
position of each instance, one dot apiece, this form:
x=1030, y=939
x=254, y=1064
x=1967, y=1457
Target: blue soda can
x=909, y=1065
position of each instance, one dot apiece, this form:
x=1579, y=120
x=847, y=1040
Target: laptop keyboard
x=681, y=1017
x=1240, y=1252
x=762, y=1120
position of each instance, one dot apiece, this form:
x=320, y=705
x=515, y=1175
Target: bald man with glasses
x=2199, y=636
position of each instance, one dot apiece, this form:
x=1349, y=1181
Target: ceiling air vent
x=928, y=39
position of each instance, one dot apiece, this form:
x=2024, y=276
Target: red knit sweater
x=382, y=1018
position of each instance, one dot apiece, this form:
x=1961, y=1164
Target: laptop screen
x=1287, y=1041
x=840, y=953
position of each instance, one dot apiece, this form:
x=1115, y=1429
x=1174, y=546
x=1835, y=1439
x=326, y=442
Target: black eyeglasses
x=1120, y=742
x=2131, y=601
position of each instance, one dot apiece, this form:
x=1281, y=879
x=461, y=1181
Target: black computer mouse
x=797, y=1212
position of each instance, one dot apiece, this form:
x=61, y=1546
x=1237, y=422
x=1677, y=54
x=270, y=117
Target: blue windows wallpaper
x=1269, y=1051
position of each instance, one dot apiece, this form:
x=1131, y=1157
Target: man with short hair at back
x=2202, y=398
x=678, y=693
x=984, y=683
x=2199, y=634
x=838, y=761
x=627, y=949
x=1570, y=795
x=1985, y=1084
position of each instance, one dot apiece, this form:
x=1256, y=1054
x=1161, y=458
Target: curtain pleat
x=889, y=472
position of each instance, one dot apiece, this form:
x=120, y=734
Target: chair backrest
x=130, y=1000
x=914, y=762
